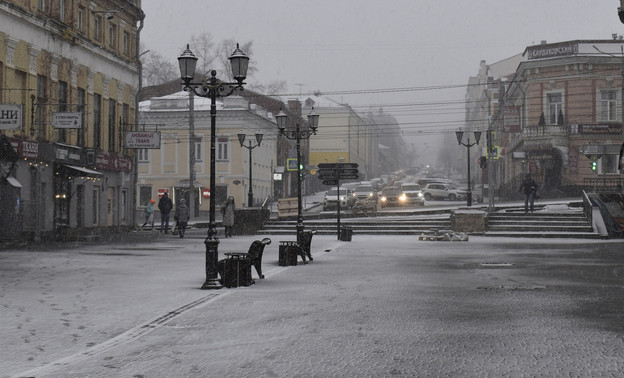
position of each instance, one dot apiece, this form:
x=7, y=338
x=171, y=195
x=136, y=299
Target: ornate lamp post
x=460, y=135
x=298, y=135
x=211, y=87
x=241, y=139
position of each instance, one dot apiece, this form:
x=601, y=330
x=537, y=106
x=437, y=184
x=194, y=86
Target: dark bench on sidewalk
x=235, y=269
x=290, y=250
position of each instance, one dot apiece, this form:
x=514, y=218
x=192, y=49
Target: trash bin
x=346, y=233
x=236, y=270
x=288, y=253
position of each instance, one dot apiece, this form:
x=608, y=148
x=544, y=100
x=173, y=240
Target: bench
x=289, y=251
x=235, y=269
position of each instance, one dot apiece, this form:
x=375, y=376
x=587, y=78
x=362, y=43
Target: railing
x=546, y=131
x=588, y=208
x=603, y=184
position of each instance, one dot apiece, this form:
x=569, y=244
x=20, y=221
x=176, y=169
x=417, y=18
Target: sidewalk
x=377, y=306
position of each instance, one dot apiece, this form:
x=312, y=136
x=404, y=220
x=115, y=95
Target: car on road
x=413, y=194
x=366, y=192
x=443, y=191
x=392, y=196
x=346, y=195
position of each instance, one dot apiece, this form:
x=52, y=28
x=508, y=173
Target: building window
x=607, y=105
x=222, y=149
x=62, y=10
x=81, y=109
x=62, y=107
x=143, y=155
x=42, y=99
x=98, y=28
x=81, y=13
x=145, y=194
x=111, y=125
x=97, y=119
x=95, y=207
x=112, y=36
x=554, y=103
x=126, y=44
x=41, y=5
x=198, y=149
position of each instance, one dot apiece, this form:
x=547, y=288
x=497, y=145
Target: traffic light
x=594, y=165
x=483, y=162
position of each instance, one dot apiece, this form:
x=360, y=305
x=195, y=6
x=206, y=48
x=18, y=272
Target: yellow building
x=167, y=168
x=69, y=70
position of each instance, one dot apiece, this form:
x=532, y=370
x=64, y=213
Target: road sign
x=330, y=182
x=348, y=171
x=348, y=177
x=291, y=164
x=328, y=177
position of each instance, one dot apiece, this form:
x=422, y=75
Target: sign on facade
x=10, y=117
x=67, y=120
x=143, y=139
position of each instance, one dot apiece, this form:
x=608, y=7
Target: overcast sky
x=380, y=48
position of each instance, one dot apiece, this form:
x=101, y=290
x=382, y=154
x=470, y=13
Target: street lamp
x=241, y=139
x=297, y=135
x=211, y=87
x=460, y=135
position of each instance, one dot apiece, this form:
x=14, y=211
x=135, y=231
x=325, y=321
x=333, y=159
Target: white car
x=347, y=199
x=443, y=191
x=413, y=194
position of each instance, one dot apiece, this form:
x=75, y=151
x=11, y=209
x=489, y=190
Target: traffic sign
x=291, y=164
x=348, y=177
x=348, y=171
x=330, y=182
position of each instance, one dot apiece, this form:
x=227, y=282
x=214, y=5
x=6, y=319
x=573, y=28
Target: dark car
x=392, y=196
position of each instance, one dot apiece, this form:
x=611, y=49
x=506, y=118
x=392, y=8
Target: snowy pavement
x=376, y=306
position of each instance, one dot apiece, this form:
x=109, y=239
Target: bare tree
x=226, y=48
x=205, y=50
x=156, y=70
x=272, y=88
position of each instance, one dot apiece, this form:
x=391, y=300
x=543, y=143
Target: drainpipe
x=135, y=160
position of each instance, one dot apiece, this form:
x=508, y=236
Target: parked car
x=392, y=196
x=413, y=194
x=366, y=192
x=443, y=191
x=347, y=199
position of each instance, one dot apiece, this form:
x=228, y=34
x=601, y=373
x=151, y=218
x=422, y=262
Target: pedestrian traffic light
x=483, y=162
x=594, y=165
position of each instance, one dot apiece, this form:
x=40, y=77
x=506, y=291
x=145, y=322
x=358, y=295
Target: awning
x=83, y=171
x=13, y=181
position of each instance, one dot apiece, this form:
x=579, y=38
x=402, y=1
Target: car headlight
x=370, y=194
x=403, y=198
x=383, y=199
x=420, y=195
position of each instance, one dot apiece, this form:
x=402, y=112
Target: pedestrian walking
x=530, y=192
x=228, y=215
x=181, y=217
x=149, y=214
x=165, y=205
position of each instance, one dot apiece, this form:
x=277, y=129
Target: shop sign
x=143, y=139
x=113, y=162
x=10, y=116
x=66, y=120
x=601, y=129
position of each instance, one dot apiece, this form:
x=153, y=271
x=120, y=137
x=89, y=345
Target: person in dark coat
x=182, y=217
x=530, y=191
x=165, y=205
x=228, y=215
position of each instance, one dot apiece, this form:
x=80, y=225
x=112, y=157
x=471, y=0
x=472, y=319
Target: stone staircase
x=567, y=224
x=508, y=222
